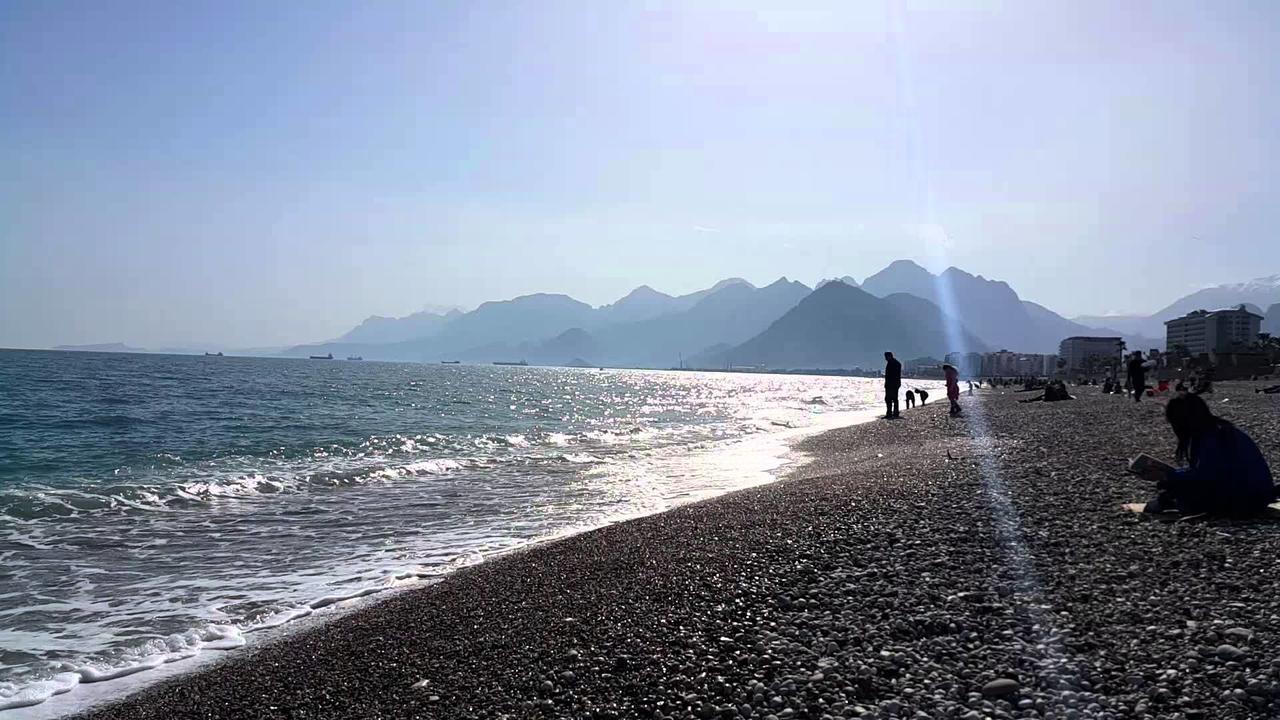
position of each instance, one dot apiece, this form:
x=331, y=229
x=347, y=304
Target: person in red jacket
x=952, y=377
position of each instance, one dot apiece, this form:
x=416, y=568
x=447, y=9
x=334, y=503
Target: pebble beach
x=929, y=567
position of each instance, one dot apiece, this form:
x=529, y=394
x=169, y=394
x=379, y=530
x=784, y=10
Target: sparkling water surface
x=153, y=506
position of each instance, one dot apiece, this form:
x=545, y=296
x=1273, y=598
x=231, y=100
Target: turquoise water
x=153, y=507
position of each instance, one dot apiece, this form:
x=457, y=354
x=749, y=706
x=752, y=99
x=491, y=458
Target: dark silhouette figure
x=922, y=395
x=911, y=399
x=892, y=383
x=1137, y=375
x=1226, y=473
x=952, y=376
x=1053, y=392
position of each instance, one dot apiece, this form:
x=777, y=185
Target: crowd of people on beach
x=1221, y=472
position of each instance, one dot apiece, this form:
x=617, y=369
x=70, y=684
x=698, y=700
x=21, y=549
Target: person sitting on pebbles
x=1226, y=473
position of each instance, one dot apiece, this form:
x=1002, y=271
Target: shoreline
x=772, y=455
x=906, y=568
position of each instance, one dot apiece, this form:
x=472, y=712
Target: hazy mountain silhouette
x=727, y=314
x=573, y=347
x=847, y=280
x=839, y=326
x=1255, y=294
x=380, y=329
x=902, y=276
x=645, y=328
x=645, y=303
x=1271, y=320
x=640, y=304
x=525, y=318
x=1126, y=324
x=102, y=347
x=990, y=309
x=648, y=328
x=1261, y=292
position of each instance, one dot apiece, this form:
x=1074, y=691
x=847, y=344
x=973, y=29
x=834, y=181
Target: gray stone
x=1000, y=688
x=1229, y=652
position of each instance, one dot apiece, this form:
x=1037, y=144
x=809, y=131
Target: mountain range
x=1260, y=295
x=786, y=324
x=841, y=326
x=990, y=308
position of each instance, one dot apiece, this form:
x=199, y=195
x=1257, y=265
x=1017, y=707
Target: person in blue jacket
x=1226, y=473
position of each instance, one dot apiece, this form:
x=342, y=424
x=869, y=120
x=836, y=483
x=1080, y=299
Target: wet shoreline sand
x=955, y=568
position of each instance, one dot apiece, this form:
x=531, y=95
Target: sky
x=249, y=174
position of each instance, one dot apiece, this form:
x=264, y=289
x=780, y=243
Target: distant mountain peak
x=779, y=282
x=1257, y=284
x=847, y=280
x=730, y=281
x=642, y=293
x=646, y=290
x=904, y=264
x=898, y=273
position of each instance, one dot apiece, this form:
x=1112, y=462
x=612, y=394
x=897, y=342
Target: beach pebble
x=1000, y=688
x=1229, y=652
x=1239, y=634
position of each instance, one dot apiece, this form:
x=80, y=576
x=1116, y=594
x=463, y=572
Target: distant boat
x=522, y=363
x=322, y=357
x=354, y=357
x=217, y=354
x=450, y=362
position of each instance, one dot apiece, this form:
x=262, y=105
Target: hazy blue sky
x=253, y=173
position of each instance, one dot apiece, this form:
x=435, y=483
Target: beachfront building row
x=1216, y=331
x=1003, y=363
x=1083, y=355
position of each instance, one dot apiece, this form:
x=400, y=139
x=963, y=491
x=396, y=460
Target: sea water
x=153, y=507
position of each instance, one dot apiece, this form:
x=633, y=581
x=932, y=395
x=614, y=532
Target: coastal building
x=1084, y=355
x=969, y=364
x=1003, y=363
x=922, y=367
x=1204, y=331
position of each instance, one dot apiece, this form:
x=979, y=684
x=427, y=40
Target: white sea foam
x=37, y=692
x=306, y=533
x=280, y=618
x=328, y=600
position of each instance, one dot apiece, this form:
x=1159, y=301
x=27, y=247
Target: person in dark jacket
x=892, y=383
x=1226, y=473
x=1137, y=375
x=911, y=399
x=952, y=377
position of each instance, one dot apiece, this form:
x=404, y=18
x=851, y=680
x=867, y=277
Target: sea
x=158, y=509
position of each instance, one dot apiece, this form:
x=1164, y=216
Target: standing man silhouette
x=892, y=383
x=1137, y=375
